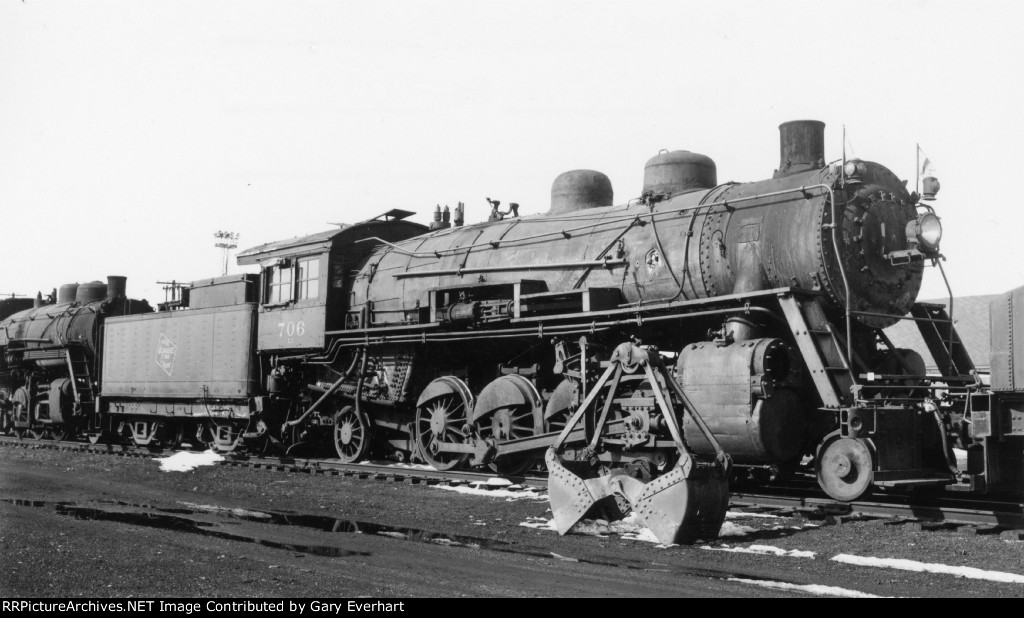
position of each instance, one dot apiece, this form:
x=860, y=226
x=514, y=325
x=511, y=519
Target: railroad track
x=930, y=511
x=311, y=465
x=985, y=516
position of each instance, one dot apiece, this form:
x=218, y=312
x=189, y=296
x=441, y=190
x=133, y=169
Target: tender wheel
x=845, y=468
x=59, y=433
x=37, y=434
x=226, y=437
x=201, y=437
x=441, y=414
x=157, y=434
x=351, y=435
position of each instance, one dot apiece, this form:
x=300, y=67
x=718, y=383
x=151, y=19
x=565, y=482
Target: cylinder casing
x=745, y=393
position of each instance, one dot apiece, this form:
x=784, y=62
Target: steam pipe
x=491, y=269
x=330, y=391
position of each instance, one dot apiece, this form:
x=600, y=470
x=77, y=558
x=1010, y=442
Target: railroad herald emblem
x=165, y=351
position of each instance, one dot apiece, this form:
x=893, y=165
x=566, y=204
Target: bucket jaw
x=686, y=503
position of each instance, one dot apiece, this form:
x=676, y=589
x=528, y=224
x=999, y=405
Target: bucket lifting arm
x=686, y=503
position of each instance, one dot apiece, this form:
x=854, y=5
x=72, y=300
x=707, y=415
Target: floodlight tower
x=226, y=241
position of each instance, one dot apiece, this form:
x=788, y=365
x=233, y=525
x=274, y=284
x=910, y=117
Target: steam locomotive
x=717, y=325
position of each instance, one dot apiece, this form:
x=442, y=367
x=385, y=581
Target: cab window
x=309, y=278
x=279, y=284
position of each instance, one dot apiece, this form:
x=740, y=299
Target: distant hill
x=970, y=316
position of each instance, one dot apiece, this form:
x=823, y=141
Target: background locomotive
x=51, y=358
x=477, y=343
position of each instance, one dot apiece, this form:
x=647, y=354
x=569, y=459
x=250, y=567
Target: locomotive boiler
x=685, y=238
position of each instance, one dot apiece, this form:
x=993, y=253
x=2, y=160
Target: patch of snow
x=927, y=567
x=538, y=523
x=394, y=534
x=645, y=535
x=209, y=508
x=508, y=494
x=495, y=481
x=395, y=464
x=816, y=589
x=764, y=550
x=563, y=558
x=731, y=529
x=629, y=528
x=186, y=461
x=743, y=515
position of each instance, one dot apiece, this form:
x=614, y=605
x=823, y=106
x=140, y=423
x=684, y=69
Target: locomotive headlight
x=853, y=170
x=926, y=232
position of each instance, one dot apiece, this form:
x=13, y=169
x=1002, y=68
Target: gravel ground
x=144, y=532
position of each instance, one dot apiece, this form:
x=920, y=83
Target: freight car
x=640, y=351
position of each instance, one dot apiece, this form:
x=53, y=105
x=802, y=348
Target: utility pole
x=226, y=241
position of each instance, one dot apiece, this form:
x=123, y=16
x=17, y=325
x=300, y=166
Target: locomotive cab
x=307, y=281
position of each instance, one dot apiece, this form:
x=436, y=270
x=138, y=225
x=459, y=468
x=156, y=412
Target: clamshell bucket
x=686, y=503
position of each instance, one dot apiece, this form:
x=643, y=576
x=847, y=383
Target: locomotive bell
x=929, y=187
x=679, y=171
x=579, y=189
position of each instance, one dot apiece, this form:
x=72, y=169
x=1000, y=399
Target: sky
x=132, y=131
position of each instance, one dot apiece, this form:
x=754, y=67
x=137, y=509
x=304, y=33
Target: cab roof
x=325, y=241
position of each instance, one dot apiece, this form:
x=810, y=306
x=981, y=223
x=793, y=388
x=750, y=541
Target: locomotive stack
x=525, y=338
